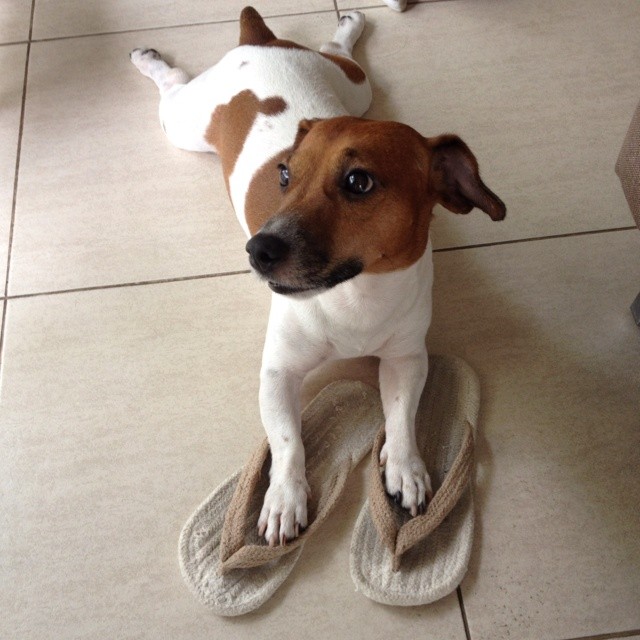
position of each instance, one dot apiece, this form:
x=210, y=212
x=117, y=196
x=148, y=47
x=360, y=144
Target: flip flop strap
x=398, y=541
x=234, y=553
x=233, y=528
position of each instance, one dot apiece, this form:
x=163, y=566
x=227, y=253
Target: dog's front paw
x=284, y=512
x=406, y=480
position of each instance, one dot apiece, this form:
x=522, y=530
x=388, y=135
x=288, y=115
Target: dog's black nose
x=266, y=251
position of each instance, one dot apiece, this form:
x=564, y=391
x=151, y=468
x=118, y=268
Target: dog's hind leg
x=181, y=116
x=350, y=28
x=354, y=89
x=150, y=64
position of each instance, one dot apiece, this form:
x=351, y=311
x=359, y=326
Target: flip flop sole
x=338, y=427
x=240, y=590
x=435, y=566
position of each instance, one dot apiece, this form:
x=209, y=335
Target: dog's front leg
x=402, y=380
x=290, y=352
x=284, y=511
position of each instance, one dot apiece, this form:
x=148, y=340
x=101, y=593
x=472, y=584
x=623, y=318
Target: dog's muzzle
x=291, y=266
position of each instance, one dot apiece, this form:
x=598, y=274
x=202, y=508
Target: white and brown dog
x=338, y=210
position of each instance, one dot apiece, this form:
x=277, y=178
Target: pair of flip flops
x=395, y=559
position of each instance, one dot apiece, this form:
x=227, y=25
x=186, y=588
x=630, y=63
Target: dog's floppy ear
x=455, y=179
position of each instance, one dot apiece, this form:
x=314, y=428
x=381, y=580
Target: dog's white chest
x=377, y=315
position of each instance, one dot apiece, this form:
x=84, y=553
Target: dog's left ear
x=455, y=178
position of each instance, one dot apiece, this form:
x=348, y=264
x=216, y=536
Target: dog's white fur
x=381, y=314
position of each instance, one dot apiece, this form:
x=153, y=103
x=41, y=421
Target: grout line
x=11, y=44
x=19, y=150
x=575, y=234
x=195, y=24
x=2, y=323
x=616, y=635
x=15, y=179
x=123, y=285
x=463, y=612
x=172, y=26
x=223, y=274
x=610, y=636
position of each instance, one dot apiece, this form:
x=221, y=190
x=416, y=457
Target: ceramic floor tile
x=548, y=328
x=543, y=93
x=103, y=196
x=15, y=16
x=12, y=61
x=79, y=17
x=122, y=410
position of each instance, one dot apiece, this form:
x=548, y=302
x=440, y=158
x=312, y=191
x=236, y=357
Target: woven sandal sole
x=338, y=429
x=434, y=567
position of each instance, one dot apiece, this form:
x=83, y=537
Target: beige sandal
x=224, y=562
x=400, y=560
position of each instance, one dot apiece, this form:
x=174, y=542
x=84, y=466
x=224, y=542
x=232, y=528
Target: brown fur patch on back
x=231, y=123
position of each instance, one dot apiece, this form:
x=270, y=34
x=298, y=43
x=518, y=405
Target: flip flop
x=224, y=562
x=399, y=560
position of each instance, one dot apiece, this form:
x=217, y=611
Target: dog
x=337, y=210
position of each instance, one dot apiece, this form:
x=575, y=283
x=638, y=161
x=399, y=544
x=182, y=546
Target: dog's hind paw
x=351, y=26
x=142, y=57
x=396, y=5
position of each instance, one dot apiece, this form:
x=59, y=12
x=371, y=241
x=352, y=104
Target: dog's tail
x=253, y=30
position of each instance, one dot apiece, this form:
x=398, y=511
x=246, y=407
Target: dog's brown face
x=357, y=196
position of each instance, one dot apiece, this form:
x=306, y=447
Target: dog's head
x=357, y=197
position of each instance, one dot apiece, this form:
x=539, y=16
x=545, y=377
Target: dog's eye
x=284, y=175
x=358, y=182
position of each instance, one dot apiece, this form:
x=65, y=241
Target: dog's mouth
x=315, y=284
x=287, y=290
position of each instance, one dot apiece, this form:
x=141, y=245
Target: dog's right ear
x=455, y=178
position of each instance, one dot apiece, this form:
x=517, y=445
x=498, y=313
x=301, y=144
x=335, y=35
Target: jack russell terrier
x=337, y=209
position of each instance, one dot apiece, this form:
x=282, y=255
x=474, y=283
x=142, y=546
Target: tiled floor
x=132, y=331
